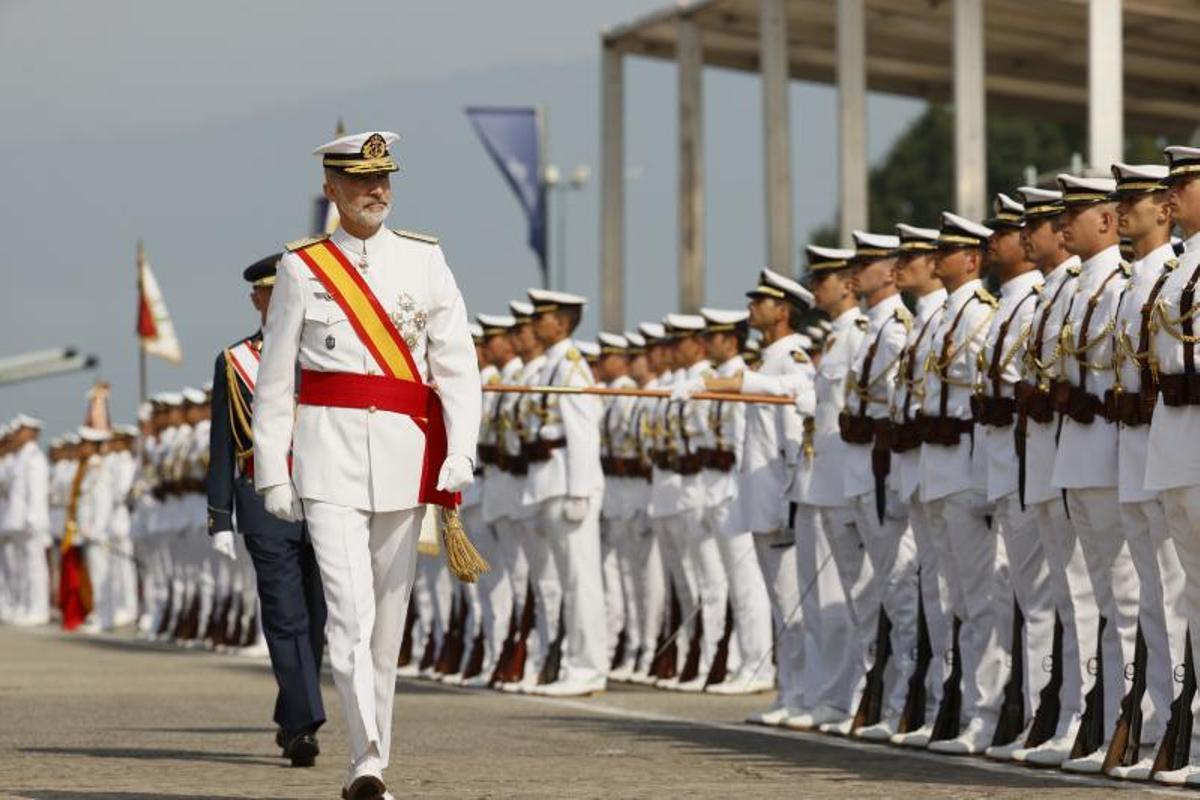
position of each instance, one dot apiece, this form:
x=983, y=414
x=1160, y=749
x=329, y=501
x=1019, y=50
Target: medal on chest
x=409, y=319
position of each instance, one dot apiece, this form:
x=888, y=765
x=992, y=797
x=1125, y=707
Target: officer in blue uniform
x=289, y=584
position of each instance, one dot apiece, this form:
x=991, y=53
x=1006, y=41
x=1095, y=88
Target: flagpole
x=141, y=255
x=540, y=114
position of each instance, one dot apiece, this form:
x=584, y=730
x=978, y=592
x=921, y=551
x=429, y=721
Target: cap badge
x=374, y=147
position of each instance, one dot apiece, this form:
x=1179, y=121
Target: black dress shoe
x=367, y=787
x=302, y=749
x=281, y=739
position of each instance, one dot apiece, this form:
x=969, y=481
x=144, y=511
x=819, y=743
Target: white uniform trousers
x=124, y=578
x=1075, y=602
x=547, y=591
x=9, y=571
x=1160, y=608
x=1030, y=578
x=495, y=596
x=36, y=602
x=701, y=557
x=423, y=604
x=1096, y=515
x=834, y=656
x=614, y=595
x=749, y=651
x=367, y=562
x=100, y=573
x=675, y=532
x=893, y=555
x=980, y=597
x=1182, y=507
x=511, y=545
x=650, y=577
x=575, y=548
x=626, y=536
x=935, y=602
x=856, y=577
x=777, y=559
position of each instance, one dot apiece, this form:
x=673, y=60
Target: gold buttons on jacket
x=371, y=410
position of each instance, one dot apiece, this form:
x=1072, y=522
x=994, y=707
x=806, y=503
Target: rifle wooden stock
x=949, y=716
x=1126, y=740
x=870, y=706
x=607, y=391
x=913, y=716
x=720, y=665
x=1045, y=719
x=1091, y=725
x=1174, y=750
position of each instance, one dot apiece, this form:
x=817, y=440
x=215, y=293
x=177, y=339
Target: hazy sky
x=189, y=125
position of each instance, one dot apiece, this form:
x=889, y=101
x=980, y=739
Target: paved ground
x=108, y=719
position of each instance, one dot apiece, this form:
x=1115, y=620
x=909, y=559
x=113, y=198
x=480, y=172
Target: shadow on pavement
x=871, y=764
x=71, y=794
x=214, y=730
x=154, y=754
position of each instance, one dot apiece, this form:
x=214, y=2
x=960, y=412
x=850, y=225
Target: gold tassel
x=461, y=556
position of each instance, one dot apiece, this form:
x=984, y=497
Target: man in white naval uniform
x=356, y=476
x=26, y=518
x=879, y=517
x=915, y=275
x=1070, y=584
x=1086, y=463
x=769, y=459
x=748, y=666
x=995, y=401
x=1173, y=463
x=566, y=482
x=1144, y=217
x=951, y=472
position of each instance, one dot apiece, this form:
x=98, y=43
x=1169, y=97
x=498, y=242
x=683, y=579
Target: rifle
x=913, y=716
x=1126, y=740
x=1012, y=712
x=870, y=705
x=1175, y=748
x=1091, y=726
x=949, y=717
x=1045, y=719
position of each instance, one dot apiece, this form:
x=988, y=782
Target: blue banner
x=513, y=140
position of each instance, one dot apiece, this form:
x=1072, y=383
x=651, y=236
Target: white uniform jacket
x=910, y=387
x=826, y=483
x=347, y=456
x=619, y=441
x=501, y=491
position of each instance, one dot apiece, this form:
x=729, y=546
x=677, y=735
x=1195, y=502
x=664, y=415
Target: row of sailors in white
x=1054, y=368
x=25, y=531
x=182, y=576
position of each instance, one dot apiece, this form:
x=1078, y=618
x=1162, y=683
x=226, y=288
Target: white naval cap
x=804, y=341
x=169, y=398
x=1007, y=213
x=194, y=396
x=588, y=349
x=913, y=238
x=961, y=232
x=522, y=312
x=652, y=331
x=637, y=342
x=718, y=320
x=126, y=430
x=871, y=246
x=815, y=332
x=495, y=324
x=612, y=343
x=1135, y=179
x=1040, y=203
x=72, y=438
x=26, y=421
x=476, y=331
x=145, y=410
x=90, y=434
x=359, y=153
x=1184, y=162
x=1081, y=191
x=827, y=259
x=772, y=284
x=545, y=300
x=207, y=387
x=683, y=324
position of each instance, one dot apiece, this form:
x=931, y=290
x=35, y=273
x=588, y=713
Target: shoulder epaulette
x=300, y=244
x=1075, y=271
x=862, y=323
x=986, y=297
x=1170, y=264
x=904, y=317
x=1037, y=288
x=494, y=379
x=420, y=237
x=573, y=355
x=800, y=357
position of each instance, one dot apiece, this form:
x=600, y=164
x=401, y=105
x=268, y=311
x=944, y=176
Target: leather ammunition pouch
x=538, y=451
x=944, y=431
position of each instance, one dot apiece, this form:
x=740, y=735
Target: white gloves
x=281, y=501
x=457, y=473
x=685, y=390
x=575, y=509
x=222, y=542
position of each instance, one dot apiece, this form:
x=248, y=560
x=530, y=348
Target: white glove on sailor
x=575, y=509
x=281, y=501
x=457, y=473
x=222, y=542
x=685, y=390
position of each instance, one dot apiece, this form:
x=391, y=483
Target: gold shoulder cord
x=238, y=414
x=940, y=365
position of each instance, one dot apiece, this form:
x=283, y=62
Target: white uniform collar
x=1060, y=272
x=960, y=295
x=731, y=366
x=512, y=367
x=846, y=318
x=787, y=343
x=354, y=246
x=699, y=368
x=928, y=303
x=879, y=312
x=1019, y=286
x=559, y=350
x=1097, y=268
x=1156, y=257
x=1192, y=243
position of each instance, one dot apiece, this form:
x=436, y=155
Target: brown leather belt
x=1034, y=403
x=856, y=429
x=538, y=451
x=487, y=454
x=944, y=431
x=1179, y=390
x=621, y=467
x=997, y=412
x=717, y=459
x=1132, y=409
x=1083, y=406
x=906, y=436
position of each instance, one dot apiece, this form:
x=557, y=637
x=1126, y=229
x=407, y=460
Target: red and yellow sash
x=400, y=389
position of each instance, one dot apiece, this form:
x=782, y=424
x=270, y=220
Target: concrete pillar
x=1106, y=129
x=691, y=167
x=852, y=116
x=777, y=154
x=970, y=122
x=612, y=190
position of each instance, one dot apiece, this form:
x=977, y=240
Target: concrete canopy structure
x=1093, y=60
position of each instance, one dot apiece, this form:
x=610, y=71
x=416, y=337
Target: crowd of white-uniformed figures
x=139, y=525
x=969, y=525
